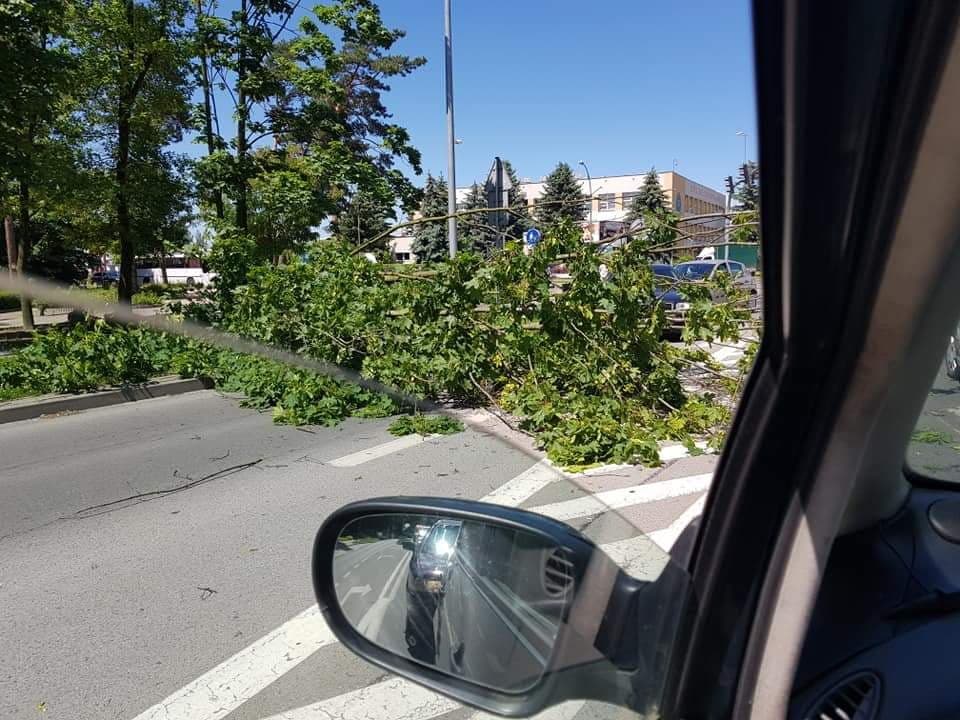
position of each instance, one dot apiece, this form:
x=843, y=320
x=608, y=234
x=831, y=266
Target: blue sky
x=623, y=85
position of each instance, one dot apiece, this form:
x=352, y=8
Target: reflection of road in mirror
x=470, y=599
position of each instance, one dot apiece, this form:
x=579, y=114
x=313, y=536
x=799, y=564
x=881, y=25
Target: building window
x=677, y=205
x=627, y=199
x=607, y=201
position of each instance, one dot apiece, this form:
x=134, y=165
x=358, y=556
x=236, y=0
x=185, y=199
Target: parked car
x=676, y=304
x=105, y=278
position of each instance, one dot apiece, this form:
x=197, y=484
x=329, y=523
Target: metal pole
x=451, y=141
x=589, y=190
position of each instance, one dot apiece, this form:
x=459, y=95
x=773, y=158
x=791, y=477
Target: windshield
x=694, y=271
x=269, y=283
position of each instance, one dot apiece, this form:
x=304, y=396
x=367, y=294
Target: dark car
x=676, y=304
x=426, y=581
x=105, y=278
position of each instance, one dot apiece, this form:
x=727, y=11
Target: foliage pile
x=585, y=370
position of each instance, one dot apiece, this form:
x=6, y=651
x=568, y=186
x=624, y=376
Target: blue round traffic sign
x=532, y=236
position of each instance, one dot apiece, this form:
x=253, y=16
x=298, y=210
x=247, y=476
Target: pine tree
x=431, y=243
x=475, y=233
x=650, y=199
x=562, y=197
x=363, y=218
x=518, y=220
x=747, y=192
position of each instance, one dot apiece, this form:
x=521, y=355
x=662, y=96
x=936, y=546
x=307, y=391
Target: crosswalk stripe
x=624, y=497
x=378, y=451
x=236, y=680
x=395, y=698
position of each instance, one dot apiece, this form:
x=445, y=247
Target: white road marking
x=525, y=485
x=369, y=625
x=234, y=681
x=378, y=451
x=675, y=452
x=395, y=698
x=668, y=536
x=624, y=497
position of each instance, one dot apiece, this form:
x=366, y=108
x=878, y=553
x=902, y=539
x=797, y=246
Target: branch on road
x=107, y=507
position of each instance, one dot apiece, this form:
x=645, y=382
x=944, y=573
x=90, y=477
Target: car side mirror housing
x=496, y=607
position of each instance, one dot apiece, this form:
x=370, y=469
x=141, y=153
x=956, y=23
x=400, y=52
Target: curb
x=30, y=408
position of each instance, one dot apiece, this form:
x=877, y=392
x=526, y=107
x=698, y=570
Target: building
x=613, y=194
x=611, y=199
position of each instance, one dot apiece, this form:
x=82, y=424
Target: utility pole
x=589, y=190
x=451, y=140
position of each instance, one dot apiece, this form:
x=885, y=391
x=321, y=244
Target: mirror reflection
x=472, y=599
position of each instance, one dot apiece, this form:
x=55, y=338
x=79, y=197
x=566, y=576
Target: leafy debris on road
x=424, y=425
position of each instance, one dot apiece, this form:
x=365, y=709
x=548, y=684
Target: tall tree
x=35, y=81
x=430, y=242
x=362, y=218
x=562, y=197
x=747, y=189
x=316, y=96
x=518, y=220
x=134, y=56
x=650, y=199
x=475, y=234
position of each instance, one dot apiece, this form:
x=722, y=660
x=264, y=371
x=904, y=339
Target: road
x=935, y=450
x=154, y=556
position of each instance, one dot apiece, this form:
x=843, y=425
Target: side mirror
x=496, y=607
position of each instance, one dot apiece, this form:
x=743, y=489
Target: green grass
x=9, y=302
x=14, y=393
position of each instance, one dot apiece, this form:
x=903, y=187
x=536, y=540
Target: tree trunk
x=163, y=262
x=11, y=239
x=23, y=252
x=208, y=114
x=127, y=284
x=242, y=123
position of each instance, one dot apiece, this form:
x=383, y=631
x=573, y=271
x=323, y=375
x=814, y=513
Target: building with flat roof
x=611, y=199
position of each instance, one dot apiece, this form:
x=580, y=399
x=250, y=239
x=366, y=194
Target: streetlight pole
x=590, y=190
x=451, y=139
x=744, y=136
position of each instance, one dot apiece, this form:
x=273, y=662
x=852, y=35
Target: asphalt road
x=935, y=449
x=154, y=556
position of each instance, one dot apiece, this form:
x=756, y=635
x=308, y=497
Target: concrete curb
x=35, y=407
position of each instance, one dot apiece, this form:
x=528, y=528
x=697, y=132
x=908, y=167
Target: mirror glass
x=472, y=599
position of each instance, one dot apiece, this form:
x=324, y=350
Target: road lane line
x=624, y=497
x=234, y=681
x=378, y=451
x=395, y=698
x=237, y=679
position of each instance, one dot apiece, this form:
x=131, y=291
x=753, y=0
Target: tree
x=562, y=198
x=35, y=78
x=650, y=199
x=747, y=189
x=363, y=218
x=746, y=194
x=134, y=58
x=518, y=220
x=317, y=97
x=474, y=232
x=431, y=243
